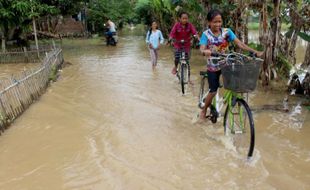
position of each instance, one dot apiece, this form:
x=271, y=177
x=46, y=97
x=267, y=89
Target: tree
x=269, y=37
x=162, y=11
x=306, y=63
x=118, y=11
x=18, y=14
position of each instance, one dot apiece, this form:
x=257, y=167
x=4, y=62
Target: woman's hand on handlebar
x=169, y=42
x=206, y=52
x=256, y=54
x=196, y=37
x=259, y=53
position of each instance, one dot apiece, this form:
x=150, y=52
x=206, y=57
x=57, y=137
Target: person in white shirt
x=111, y=26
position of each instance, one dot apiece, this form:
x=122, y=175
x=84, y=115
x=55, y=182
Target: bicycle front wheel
x=239, y=125
x=184, y=76
x=203, y=92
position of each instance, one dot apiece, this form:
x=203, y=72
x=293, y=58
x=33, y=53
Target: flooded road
x=7, y=70
x=111, y=122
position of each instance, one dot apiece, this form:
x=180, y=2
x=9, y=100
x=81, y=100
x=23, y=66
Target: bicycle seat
x=204, y=73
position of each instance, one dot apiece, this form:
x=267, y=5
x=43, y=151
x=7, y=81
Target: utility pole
x=85, y=19
x=2, y=41
x=35, y=30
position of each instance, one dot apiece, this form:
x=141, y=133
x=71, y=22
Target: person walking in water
x=154, y=38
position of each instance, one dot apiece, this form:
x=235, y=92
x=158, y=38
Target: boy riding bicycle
x=182, y=30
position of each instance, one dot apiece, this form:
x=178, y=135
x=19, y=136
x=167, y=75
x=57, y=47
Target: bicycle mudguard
x=233, y=101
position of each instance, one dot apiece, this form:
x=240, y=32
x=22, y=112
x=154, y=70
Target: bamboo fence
x=24, y=55
x=18, y=92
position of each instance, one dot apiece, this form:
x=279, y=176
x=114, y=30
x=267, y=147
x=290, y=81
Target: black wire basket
x=241, y=78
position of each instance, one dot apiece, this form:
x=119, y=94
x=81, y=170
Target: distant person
x=154, y=38
x=111, y=33
x=182, y=30
x=111, y=27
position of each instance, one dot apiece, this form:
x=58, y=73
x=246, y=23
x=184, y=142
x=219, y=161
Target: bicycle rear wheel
x=184, y=76
x=203, y=92
x=239, y=125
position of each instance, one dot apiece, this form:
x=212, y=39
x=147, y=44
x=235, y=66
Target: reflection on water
x=110, y=122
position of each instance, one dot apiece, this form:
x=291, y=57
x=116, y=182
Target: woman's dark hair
x=213, y=13
x=183, y=13
x=150, y=30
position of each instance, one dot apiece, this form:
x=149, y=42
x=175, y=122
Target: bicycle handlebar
x=218, y=55
x=234, y=54
x=182, y=41
x=235, y=57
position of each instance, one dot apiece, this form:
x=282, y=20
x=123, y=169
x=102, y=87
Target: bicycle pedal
x=201, y=105
x=237, y=132
x=214, y=113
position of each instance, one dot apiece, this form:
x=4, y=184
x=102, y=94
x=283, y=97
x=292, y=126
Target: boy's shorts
x=214, y=80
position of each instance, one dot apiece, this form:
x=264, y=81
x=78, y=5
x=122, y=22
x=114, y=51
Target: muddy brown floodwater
x=110, y=122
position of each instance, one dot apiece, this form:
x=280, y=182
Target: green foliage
x=149, y=10
x=143, y=7
x=302, y=35
x=118, y=11
x=256, y=46
x=53, y=73
x=18, y=13
x=195, y=10
x=253, y=26
x=283, y=66
x=163, y=11
x=68, y=6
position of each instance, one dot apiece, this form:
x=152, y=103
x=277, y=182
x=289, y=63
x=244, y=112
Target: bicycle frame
x=238, y=118
x=183, y=71
x=229, y=98
x=183, y=59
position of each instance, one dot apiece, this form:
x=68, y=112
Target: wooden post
x=26, y=54
x=35, y=36
x=3, y=42
x=35, y=31
x=54, y=45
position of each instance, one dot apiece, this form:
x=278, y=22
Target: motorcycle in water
x=111, y=38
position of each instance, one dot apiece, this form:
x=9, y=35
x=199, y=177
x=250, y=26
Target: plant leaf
x=304, y=36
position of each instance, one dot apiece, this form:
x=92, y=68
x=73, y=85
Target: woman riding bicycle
x=216, y=40
x=182, y=30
